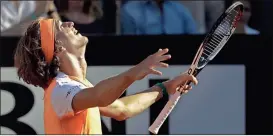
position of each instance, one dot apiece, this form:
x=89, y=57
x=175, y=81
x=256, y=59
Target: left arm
x=132, y=105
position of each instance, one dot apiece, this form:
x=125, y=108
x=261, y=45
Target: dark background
x=255, y=52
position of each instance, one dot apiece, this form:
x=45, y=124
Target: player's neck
x=74, y=66
x=83, y=66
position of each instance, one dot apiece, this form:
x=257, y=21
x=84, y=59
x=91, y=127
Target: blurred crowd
x=122, y=17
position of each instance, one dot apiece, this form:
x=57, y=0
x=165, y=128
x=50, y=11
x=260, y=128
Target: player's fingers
x=190, y=78
x=161, y=64
x=157, y=52
x=194, y=79
x=184, y=89
x=156, y=72
x=162, y=52
x=187, y=87
x=164, y=57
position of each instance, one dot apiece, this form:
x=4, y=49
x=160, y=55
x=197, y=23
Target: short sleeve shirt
x=63, y=94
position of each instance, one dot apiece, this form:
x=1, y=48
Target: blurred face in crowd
x=75, y=5
x=247, y=11
x=69, y=38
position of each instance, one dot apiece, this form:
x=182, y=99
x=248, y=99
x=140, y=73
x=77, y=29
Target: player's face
x=69, y=37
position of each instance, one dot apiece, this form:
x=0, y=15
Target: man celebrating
x=51, y=55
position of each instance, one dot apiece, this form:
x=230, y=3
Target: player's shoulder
x=63, y=82
x=62, y=79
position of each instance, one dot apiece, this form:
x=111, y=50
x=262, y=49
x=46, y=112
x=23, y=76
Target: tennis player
x=51, y=55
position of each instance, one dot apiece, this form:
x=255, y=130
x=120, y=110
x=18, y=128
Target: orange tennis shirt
x=59, y=117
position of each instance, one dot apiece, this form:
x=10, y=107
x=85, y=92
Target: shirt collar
x=61, y=75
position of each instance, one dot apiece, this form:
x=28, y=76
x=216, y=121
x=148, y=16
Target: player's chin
x=85, y=40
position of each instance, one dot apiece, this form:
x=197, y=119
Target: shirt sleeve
x=62, y=96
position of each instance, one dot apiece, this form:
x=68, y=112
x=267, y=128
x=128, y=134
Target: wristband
x=164, y=90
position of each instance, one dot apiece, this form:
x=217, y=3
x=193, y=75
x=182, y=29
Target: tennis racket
x=214, y=41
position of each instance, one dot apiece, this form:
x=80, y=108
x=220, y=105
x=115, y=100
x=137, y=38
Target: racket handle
x=154, y=128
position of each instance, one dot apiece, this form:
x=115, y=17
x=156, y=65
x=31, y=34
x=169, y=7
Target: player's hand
x=149, y=65
x=173, y=84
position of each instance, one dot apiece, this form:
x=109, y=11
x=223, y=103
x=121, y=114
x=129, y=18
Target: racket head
x=219, y=34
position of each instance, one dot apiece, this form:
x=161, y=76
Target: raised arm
x=132, y=105
x=109, y=90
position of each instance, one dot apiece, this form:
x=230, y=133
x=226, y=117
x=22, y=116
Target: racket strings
x=223, y=30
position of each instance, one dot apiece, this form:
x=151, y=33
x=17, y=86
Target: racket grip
x=154, y=128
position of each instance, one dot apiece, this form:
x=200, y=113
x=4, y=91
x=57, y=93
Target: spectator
x=242, y=27
x=16, y=16
x=88, y=15
x=205, y=12
x=156, y=17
